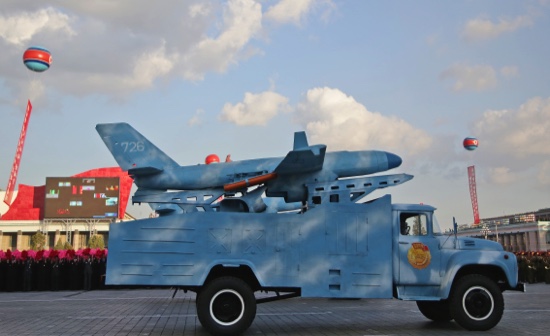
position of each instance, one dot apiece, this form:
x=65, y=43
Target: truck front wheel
x=476, y=302
x=438, y=311
x=226, y=306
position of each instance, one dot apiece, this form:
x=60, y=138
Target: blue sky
x=240, y=76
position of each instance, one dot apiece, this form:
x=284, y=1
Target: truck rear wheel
x=438, y=311
x=476, y=302
x=226, y=306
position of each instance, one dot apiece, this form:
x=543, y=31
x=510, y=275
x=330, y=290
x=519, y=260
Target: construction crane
x=473, y=192
x=19, y=152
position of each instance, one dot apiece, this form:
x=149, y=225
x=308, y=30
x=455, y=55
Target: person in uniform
x=522, y=267
x=531, y=271
x=539, y=262
x=11, y=273
x=87, y=273
x=547, y=268
x=55, y=271
x=27, y=275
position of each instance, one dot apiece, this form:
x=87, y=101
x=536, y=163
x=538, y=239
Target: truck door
x=419, y=257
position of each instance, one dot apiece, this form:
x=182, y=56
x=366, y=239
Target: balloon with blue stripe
x=37, y=59
x=470, y=143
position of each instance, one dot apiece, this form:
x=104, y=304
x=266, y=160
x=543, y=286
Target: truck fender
x=233, y=264
x=481, y=262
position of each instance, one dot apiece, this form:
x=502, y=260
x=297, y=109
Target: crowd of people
x=533, y=267
x=53, y=270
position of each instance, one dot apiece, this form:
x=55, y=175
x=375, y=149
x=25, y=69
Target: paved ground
x=154, y=312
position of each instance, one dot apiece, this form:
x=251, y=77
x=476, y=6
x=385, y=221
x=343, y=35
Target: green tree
x=96, y=241
x=419, y=226
x=59, y=245
x=38, y=241
x=67, y=246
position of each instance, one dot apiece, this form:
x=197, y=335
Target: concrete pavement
x=155, y=312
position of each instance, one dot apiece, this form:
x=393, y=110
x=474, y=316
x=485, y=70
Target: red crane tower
x=473, y=192
x=17, y=160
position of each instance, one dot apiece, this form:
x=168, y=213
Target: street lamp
x=485, y=230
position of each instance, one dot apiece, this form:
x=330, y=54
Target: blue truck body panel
x=329, y=251
x=335, y=250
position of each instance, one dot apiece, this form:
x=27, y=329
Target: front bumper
x=521, y=287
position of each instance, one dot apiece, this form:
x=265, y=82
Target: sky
x=240, y=77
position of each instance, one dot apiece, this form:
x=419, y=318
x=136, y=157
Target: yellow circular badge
x=419, y=256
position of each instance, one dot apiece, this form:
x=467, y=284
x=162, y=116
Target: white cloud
x=196, y=120
x=544, y=173
x=509, y=71
x=286, y=11
x=256, y=109
x=35, y=91
x=149, y=66
x=484, y=29
x=294, y=11
x=241, y=22
x=191, y=39
x=502, y=175
x=470, y=78
x=20, y=28
x=199, y=10
x=338, y=120
x=520, y=133
x=127, y=45
x=514, y=143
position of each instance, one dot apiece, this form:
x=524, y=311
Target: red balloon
x=470, y=143
x=37, y=59
x=212, y=158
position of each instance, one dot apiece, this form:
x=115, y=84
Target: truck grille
x=469, y=243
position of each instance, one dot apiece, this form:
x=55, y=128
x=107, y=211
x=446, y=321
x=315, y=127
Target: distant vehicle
x=336, y=247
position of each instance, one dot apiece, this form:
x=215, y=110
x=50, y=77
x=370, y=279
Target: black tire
x=226, y=306
x=438, y=311
x=476, y=302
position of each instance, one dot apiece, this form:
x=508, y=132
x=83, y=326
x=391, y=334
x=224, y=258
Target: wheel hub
x=478, y=303
x=227, y=307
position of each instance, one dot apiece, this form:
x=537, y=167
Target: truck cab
x=417, y=251
x=449, y=277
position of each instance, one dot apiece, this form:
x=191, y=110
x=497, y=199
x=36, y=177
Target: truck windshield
x=436, y=229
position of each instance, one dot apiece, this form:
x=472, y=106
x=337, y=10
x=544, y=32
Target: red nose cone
x=212, y=158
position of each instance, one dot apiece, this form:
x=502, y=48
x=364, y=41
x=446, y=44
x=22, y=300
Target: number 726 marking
x=132, y=146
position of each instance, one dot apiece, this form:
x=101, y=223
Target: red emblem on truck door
x=419, y=255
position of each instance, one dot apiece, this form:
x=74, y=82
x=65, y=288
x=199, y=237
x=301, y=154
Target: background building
x=27, y=214
x=529, y=231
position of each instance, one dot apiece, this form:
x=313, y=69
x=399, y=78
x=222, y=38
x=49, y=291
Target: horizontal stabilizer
x=144, y=171
x=132, y=151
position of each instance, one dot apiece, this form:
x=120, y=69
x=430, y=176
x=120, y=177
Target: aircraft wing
x=303, y=158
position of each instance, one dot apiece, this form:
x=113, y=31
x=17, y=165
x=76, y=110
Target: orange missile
x=249, y=182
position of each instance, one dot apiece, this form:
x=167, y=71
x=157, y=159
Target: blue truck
x=228, y=247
